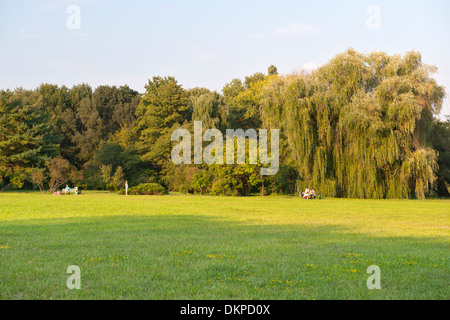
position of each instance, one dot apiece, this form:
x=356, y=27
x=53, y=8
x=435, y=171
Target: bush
x=146, y=189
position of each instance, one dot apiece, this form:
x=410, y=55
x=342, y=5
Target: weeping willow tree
x=210, y=108
x=358, y=126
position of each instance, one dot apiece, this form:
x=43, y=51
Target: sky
x=207, y=43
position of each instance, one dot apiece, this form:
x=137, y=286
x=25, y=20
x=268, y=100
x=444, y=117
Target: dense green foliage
x=361, y=126
x=149, y=189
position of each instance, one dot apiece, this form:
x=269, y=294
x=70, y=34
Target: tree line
x=360, y=126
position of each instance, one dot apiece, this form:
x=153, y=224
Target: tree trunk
x=5, y=187
x=442, y=190
x=262, y=186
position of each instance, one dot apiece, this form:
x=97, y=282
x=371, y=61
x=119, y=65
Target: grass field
x=194, y=247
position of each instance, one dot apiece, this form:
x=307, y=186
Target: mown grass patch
x=194, y=247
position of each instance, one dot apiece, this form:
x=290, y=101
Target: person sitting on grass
x=67, y=190
x=313, y=194
x=306, y=194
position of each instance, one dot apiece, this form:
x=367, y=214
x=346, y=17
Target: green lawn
x=194, y=247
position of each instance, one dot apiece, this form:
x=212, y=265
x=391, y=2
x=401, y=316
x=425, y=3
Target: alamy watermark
x=374, y=20
x=73, y=22
x=74, y=281
x=374, y=281
x=213, y=153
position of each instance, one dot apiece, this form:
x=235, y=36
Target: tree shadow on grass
x=198, y=257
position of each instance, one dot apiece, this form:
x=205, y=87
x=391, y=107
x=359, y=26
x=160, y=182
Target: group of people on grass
x=308, y=194
x=66, y=190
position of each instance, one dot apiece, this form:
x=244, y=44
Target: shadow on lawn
x=172, y=233
x=191, y=230
x=207, y=248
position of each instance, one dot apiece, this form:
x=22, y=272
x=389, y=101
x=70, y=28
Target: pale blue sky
x=206, y=43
